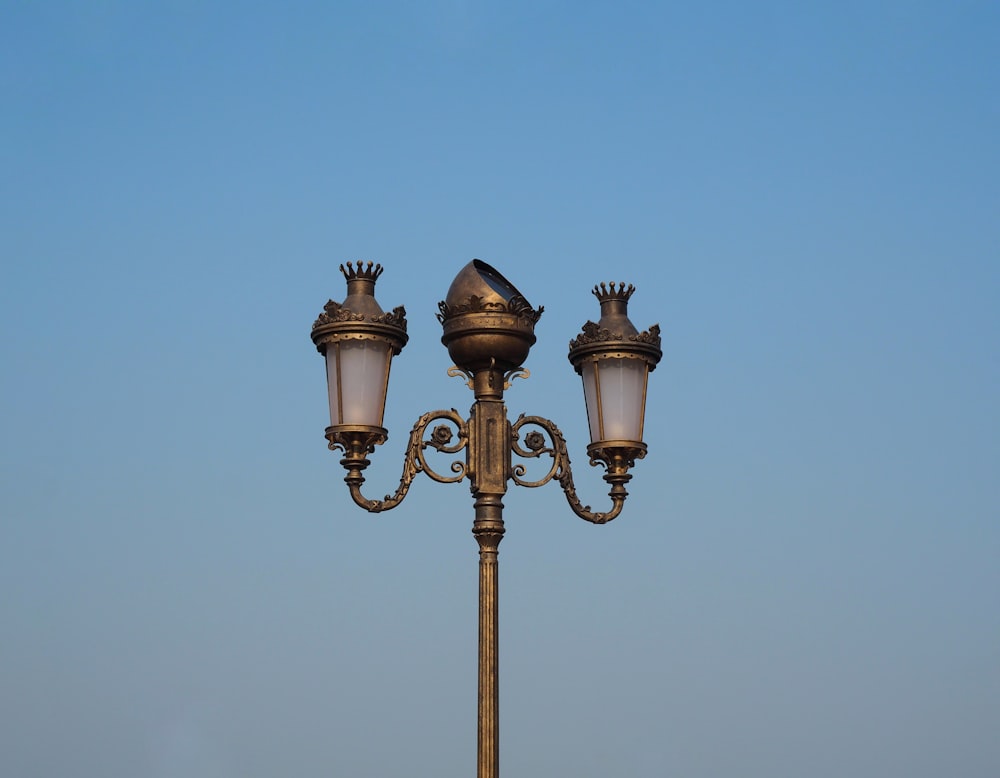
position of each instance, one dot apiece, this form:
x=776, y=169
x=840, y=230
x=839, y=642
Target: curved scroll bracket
x=508, y=378
x=441, y=439
x=456, y=372
x=517, y=372
x=536, y=444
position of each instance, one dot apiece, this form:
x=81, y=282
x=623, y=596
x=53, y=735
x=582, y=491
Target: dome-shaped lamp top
x=479, y=286
x=483, y=281
x=487, y=322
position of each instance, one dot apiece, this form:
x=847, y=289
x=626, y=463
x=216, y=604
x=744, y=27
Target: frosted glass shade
x=357, y=375
x=615, y=393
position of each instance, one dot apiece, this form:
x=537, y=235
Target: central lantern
x=487, y=322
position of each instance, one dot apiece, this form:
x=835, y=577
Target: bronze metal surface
x=488, y=329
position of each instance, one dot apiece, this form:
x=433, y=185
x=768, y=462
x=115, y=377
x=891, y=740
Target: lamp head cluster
x=488, y=328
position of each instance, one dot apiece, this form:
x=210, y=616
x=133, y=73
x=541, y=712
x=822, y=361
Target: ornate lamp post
x=488, y=329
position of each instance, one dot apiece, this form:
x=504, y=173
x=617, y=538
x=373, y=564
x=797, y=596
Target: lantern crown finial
x=358, y=270
x=611, y=291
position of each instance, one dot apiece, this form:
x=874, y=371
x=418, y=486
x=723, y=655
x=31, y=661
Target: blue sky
x=805, y=578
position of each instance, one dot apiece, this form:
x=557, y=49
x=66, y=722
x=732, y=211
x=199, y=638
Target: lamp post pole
x=488, y=328
x=487, y=449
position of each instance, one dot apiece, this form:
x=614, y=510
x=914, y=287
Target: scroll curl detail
x=536, y=444
x=441, y=439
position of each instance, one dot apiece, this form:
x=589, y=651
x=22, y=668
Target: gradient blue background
x=806, y=578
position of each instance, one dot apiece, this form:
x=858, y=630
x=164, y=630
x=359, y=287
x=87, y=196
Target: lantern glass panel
x=622, y=389
x=357, y=376
x=589, y=374
x=332, y=382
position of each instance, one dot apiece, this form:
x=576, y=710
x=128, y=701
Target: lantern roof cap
x=359, y=316
x=614, y=335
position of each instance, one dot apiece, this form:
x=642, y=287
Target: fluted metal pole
x=489, y=461
x=488, y=529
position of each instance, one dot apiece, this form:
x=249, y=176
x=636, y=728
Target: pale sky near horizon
x=806, y=577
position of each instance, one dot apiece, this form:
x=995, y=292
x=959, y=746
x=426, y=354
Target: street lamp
x=489, y=328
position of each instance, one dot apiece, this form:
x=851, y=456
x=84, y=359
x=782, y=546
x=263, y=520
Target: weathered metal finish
x=489, y=329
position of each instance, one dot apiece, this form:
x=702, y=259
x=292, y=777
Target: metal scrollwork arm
x=535, y=444
x=440, y=439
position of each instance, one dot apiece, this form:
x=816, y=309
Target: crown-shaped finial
x=371, y=272
x=610, y=291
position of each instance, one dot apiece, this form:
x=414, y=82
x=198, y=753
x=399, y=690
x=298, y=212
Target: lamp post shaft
x=488, y=529
x=489, y=465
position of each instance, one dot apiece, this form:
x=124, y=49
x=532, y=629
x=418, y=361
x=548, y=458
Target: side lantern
x=358, y=340
x=615, y=360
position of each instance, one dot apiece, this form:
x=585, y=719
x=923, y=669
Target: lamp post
x=488, y=330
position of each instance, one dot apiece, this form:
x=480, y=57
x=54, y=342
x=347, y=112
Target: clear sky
x=806, y=578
